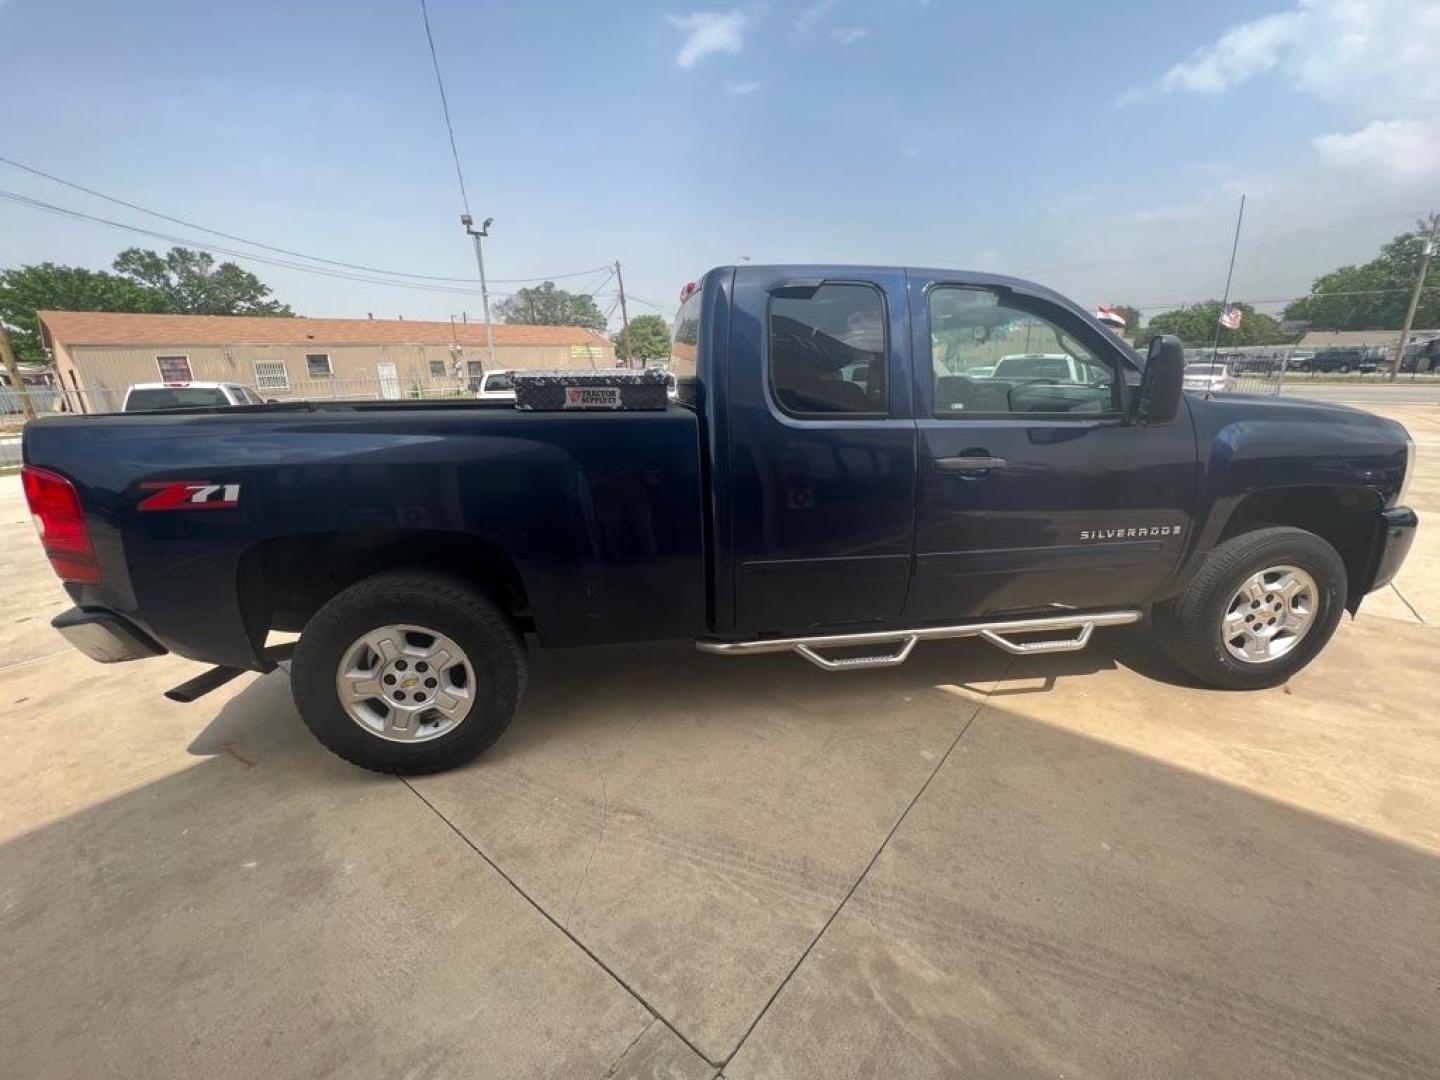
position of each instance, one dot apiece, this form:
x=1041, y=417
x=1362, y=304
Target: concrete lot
x=969, y=865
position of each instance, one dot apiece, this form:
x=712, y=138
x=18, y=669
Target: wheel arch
x=284, y=580
x=1345, y=516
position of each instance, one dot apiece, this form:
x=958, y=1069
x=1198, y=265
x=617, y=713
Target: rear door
x=822, y=449
x=1036, y=490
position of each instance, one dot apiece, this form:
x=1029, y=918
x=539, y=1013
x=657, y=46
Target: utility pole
x=477, y=235
x=1429, y=250
x=624, y=318
x=17, y=384
x=1229, y=274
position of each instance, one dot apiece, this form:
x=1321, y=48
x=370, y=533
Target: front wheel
x=408, y=672
x=1261, y=607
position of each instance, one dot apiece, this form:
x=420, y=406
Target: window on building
x=174, y=370
x=827, y=350
x=317, y=364
x=993, y=353
x=475, y=371
x=437, y=369
x=271, y=375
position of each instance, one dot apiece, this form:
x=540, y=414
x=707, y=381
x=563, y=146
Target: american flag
x=1230, y=317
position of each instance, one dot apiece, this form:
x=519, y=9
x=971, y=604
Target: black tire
x=1189, y=627
x=445, y=604
x=1344, y=369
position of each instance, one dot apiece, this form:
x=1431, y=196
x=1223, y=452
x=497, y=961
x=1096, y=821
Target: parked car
x=149, y=397
x=1422, y=357
x=1343, y=361
x=496, y=385
x=1208, y=377
x=422, y=548
x=1053, y=367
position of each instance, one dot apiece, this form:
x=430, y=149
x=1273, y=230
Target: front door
x=389, y=381
x=822, y=450
x=1036, y=490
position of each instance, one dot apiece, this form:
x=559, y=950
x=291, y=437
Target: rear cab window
x=828, y=350
x=174, y=397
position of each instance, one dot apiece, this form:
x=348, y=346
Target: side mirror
x=1163, y=381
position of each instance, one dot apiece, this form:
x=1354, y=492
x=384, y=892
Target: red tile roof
x=112, y=328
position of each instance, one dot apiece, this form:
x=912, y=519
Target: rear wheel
x=1261, y=607
x=408, y=672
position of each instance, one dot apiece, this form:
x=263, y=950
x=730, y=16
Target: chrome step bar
x=1077, y=627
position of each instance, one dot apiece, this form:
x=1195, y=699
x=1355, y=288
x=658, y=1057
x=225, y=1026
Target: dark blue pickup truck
x=859, y=459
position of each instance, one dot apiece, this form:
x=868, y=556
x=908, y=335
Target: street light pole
x=477, y=235
x=1429, y=250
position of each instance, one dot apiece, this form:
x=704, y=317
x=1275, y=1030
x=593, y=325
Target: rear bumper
x=1397, y=534
x=104, y=636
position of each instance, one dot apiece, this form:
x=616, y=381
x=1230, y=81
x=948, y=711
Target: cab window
x=827, y=350
x=995, y=353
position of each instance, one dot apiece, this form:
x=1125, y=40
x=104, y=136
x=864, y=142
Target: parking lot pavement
x=1071, y=865
x=1107, y=880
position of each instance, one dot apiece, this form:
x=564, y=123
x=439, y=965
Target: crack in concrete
x=979, y=708
x=599, y=841
x=1409, y=605
x=654, y=1012
x=630, y=1046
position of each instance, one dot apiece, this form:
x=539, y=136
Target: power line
x=215, y=249
x=1167, y=252
x=247, y=256
x=216, y=232
x=272, y=247
x=445, y=106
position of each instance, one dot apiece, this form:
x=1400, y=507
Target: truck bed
x=601, y=510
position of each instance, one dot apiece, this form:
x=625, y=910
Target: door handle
x=971, y=465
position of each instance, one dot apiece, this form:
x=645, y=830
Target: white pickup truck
x=148, y=397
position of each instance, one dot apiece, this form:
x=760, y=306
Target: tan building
x=98, y=355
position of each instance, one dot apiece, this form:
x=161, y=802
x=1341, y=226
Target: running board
x=1076, y=631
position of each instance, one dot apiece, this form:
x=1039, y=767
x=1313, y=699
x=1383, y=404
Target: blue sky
x=1099, y=150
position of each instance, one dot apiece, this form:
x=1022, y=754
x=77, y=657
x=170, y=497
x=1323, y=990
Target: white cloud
x=1240, y=53
x=811, y=14
x=1375, y=56
x=740, y=89
x=708, y=33
x=1402, y=149
x=848, y=35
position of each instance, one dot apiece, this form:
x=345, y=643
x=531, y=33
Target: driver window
x=990, y=355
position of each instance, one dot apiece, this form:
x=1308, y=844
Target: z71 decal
x=190, y=495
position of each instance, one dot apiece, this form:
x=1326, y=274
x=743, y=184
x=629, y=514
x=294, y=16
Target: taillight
x=55, y=506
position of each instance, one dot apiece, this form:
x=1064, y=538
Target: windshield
x=174, y=397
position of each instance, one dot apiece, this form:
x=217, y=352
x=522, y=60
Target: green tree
x=545, y=305
x=51, y=287
x=649, y=339
x=1374, y=295
x=193, y=284
x=1195, y=325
